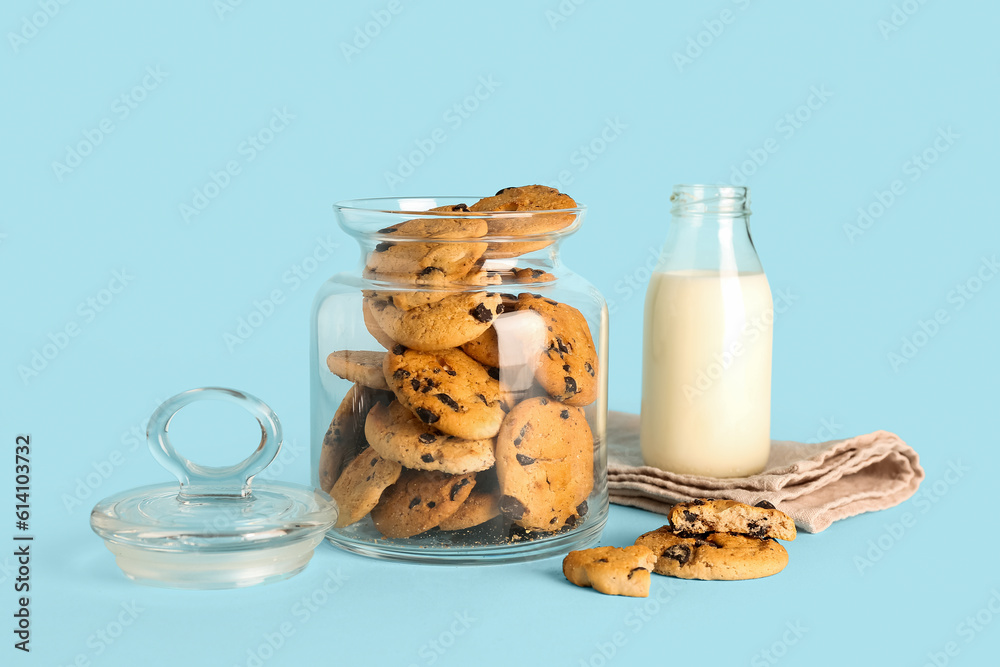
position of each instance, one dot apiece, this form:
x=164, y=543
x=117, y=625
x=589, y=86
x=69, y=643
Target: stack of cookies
x=474, y=409
x=706, y=539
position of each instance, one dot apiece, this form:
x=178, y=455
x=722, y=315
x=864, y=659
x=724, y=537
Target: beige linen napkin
x=814, y=483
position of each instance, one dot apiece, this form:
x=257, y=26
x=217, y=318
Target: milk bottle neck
x=709, y=231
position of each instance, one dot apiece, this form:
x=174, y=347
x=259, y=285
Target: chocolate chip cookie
x=567, y=365
x=714, y=556
x=546, y=206
x=611, y=570
x=346, y=435
x=450, y=322
x=360, y=366
x=419, y=501
x=478, y=508
x=446, y=389
x=729, y=516
x=545, y=461
x=373, y=328
x=361, y=485
x=396, y=433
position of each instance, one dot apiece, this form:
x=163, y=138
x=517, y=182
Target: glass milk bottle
x=706, y=375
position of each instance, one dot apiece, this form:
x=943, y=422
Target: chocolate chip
x=698, y=502
x=451, y=372
x=414, y=502
x=499, y=308
x=500, y=192
x=509, y=297
x=524, y=460
x=582, y=508
x=387, y=230
x=399, y=349
x=401, y=374
x=690, y=516
x=431, y=504
x=382, y=247
x=678, y=552
x=571, y=521
x=459, y=485
x=634, y=570
x=426, y=416
x=427, y=458
x=563, y=348
x=483, y=399
x=587, y=367
x=429, y=270
x=564, y=414
x=537, y=273
x=460, y=207
x=449, y=401
x=566, y=367
x=427, y=438
x=570, y=386
x=493, y=372
x=523, y=430
x=415, y=383
x=374, y=460
x=551, y=302
x=512, y=507
x=481, y=313
x=517, y=442
x=601, y=560
x=765, y=505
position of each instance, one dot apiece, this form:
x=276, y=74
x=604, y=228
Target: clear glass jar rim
x=380, y=205
x=710, y=199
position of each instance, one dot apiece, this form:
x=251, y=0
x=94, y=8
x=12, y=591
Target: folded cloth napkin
x=814, y=483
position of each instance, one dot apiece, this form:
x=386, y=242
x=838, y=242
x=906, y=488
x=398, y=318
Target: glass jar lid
x=217, y=529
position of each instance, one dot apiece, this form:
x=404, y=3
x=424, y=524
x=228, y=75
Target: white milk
x=706, y=376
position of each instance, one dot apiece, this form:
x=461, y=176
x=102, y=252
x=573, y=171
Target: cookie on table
x=611, y=570
x=428, y=251
x=419, y=501
x=361, y=485
x=567, y=366
x=373, y=328
x=360, y=366
x=537, y=198
x=396, y=433
x=545, y=461
x=345, y=437
x=729, y=516
x=446, y=389
x=454, y=320
x=714, y=556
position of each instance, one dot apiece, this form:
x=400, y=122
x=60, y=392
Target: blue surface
x=200, y=82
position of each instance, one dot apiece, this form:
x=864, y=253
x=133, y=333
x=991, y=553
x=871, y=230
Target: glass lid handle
x=200, y=481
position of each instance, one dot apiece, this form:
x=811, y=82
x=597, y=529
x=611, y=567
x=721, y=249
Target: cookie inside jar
x=464, y=353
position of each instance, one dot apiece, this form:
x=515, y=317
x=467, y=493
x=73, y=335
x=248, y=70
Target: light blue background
x=556, y=84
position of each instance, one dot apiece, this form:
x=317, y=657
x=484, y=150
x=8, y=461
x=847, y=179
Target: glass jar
x=706, y=376
x=459, y=385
